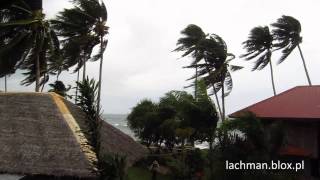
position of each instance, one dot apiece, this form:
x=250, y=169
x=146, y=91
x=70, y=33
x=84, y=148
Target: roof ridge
x=267, y=99
x=75, y=128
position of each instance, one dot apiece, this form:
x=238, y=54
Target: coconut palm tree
x=59, y=88
x=287, y=35
x=192, y=36
x=29, y=42
x=259, y=46
x=82, y=28
x=192, y=43
x=217, y=62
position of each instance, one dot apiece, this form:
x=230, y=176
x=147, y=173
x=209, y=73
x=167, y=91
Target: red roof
x=301, y=102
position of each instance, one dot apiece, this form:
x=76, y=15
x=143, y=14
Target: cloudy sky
x=139, y=63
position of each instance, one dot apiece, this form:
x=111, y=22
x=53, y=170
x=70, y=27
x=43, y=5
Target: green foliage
x=81, y=29
x=210, y=59
x=114, y=167
x=187, y=165
x=286, y=32
x=27, y=42
x=143, y=121
x=59, y=88
x=87, y=102
x=176, y=119
x=235, y=138
x=259, y=45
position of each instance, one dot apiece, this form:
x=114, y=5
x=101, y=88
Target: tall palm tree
x=5, y=83
x=29, y=41
x=217, y=63
x=287, y=34
x=259, y=46
x=192, y=44
x=189, y=44
x=82, y=28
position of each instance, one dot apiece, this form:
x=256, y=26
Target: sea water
x=120, y=121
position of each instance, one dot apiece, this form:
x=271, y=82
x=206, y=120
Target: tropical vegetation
x=259, y=45
x=172, y=127
x=210, y=59
x=286, y=32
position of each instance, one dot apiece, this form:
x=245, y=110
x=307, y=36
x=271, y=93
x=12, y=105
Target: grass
x=137, y=173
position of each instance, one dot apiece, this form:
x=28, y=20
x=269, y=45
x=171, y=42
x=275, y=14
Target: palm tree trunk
x=78, y=73
x=37, y=74
x=305, y=66
x=44, y=82
x=223, y=102
x=100, y=75
x=196, y=85
x=5, y=83
x=272, y=79
x=214, y=90
x=84, y=70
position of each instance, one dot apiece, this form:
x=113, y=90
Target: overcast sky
x=139, y=63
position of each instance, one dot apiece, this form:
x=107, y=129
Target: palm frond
x=287, y=35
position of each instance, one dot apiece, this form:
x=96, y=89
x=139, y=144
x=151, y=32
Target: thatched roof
x=113, y=141
x=40, y=134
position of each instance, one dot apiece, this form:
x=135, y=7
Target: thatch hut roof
x=113, y=141
x=40, y=134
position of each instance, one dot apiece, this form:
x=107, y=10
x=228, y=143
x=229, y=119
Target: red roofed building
x=299, y=109
x=300, y=103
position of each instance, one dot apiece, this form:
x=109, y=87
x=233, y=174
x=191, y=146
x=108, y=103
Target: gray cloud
x=139, y=62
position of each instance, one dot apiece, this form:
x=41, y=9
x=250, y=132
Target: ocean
x=120, y=121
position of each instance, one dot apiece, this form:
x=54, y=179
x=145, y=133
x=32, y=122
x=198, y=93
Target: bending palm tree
x=29, y=41
x=82, y=28
x=217, y=61
x=192, y=44
x=287, y=33
x=259, y=45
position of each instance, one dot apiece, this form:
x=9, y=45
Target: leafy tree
x=113, y=167
x=143, y=120
x=28, y=42
x=235, y=138
x=59, y=88
x=82, y=28
x=287, y=34
x=176, y=119
x=203, y=116
x=259, y=45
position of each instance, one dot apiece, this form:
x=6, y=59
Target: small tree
x=59, y=88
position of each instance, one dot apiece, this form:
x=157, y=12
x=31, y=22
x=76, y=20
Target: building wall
x=303, y=135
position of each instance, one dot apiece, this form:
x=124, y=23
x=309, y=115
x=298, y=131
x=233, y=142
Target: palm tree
x=59, y=88
x=287, y=34
x=189, y=43
x=82, y=28
x=217, y=63
x=29, y=42
x=5, y=83
x=259, y=46
x=192, y=44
